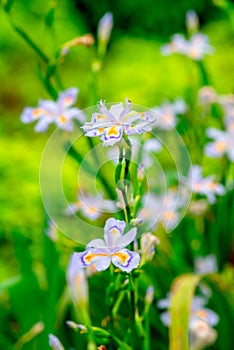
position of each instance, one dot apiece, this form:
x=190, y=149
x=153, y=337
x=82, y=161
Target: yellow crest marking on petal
x=168, y=215
x=68, y=99
x=36, y=112
x=100, y=130
x=123, y=256
x=114, y=231
x=197, y=187
x=90, y=256
x=112, y=131
x=63, y=119
x=194, y=52
x=201, y=313
x=219, y=146
x=168, y=117
x=91, y=210
x=213, y=186
x=100, y=116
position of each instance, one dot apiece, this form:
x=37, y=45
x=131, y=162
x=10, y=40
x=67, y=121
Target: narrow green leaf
x=79, y=158
x=9, y=282
x=31, y=43
x=182, y=290
x=8, y=5
x=49, y=17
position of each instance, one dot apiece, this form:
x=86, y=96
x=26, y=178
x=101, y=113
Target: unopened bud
x=192, y=21
x=149, y=296
x=140, y=172
x=201, y=334
x=148, y=242
x=104, y=27
x=86, y=40
x=55, y=343
x=136, y=221
x=77, y=282
x=77, y=326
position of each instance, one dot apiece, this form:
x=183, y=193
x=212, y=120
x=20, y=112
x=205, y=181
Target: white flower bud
x=104, y=27
x=192, y=21
x=201, y=334
x=77, y=282
x=149, y=296
x=55, y=343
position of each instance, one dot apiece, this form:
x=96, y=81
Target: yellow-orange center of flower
x=63, y=119
x=112, y=131
x=168, y=215
x=122, y=256
x=90, y=256
x=220, y=146
x=201, y=313
x=36, y=112
x=91, y=210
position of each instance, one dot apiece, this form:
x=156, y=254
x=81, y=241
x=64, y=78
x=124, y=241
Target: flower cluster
x=205, y=186
x=61, y=112
x=167, y=113
x=167, y=209
x=197, y=311
x=223, y=143
x=205, y=265
x=112, y=124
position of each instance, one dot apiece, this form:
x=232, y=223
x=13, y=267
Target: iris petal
x=126, y=260
x=113, y=231
x=67, y=98
x=126, y=239
x=99, y=257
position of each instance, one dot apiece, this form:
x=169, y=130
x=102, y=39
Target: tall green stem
x=203, y=73
x=72, y=152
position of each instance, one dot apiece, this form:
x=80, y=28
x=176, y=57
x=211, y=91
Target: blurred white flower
x=91, y=207
x=227, y=103
x=167, y=113
x=201, y=334
x=198, y=310
x=198, y=207
x=52, y=231
x=55, y=343
x=77, y=283
x=177, y=45
x=223, y=143
x=163, y=209
x=203, y=185
x=207, y=95
x=205, y=265
x=196, y=47
x=59, y=112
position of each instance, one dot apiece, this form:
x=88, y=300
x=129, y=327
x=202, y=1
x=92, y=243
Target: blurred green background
x=133, y=68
